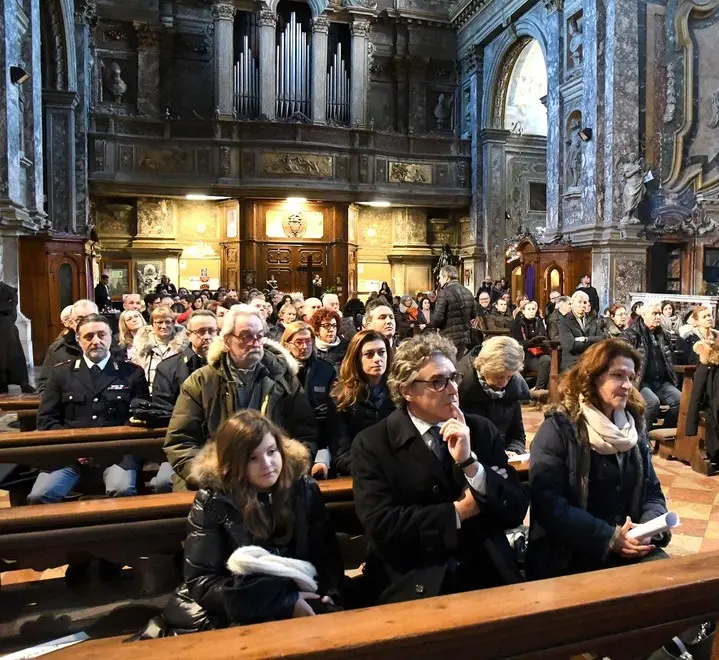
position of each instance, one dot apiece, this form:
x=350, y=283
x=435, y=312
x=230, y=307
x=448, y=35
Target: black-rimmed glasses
x=439, y=383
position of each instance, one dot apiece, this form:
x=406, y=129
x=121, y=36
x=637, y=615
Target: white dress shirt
x=90, y=364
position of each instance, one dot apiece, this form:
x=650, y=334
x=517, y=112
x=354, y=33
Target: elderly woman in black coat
x=492, y=387
x=591, y=474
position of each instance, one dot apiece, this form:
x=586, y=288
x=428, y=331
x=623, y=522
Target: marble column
x=619, y=268
x=224, y=17
x=360, y=30
x=554, y=121
x=494, y=143
x=267, y=26
x=320, y=36
x=148, y=70
x=60, y=155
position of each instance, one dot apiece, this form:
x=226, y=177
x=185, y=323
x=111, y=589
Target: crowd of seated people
x=266, y=392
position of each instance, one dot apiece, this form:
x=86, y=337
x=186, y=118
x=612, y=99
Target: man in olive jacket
x=244, y=370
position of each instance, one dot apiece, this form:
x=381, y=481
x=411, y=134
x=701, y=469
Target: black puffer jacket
x=453, y=311
x=354, y=420
x=568, y=481
x=61, y=350
x=637, y=335
x=705, y=398
x=212, y=596
x=530, y=333
x=504, y=413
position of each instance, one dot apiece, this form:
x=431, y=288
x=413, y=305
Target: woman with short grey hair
x=492, y=386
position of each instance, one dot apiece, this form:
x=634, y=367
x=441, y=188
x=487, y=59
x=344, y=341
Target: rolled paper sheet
x=653, y=527
x=519, y=458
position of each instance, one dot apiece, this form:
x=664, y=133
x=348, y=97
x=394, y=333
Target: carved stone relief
x=575, y=42
x=628, y=277
x=575, y=156
x=714, y=103
x=154, y=219
x=126, y=158
x=671, y=101
x=410, y=173
x=225, y=161
x=164, y=160
x=114, y=82
x=296, y=164
x=410, y=227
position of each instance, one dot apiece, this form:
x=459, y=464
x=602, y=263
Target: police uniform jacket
x=170, y=375
x=72, y=399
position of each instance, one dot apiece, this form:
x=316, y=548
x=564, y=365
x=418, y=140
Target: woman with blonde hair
x=591, y=473
x=129, y=325
x=259, y=546
x=492, y=386
x=702, y=331
x=361, y=393
x=158, y=341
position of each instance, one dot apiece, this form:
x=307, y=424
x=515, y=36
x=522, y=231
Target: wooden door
x=288, y=264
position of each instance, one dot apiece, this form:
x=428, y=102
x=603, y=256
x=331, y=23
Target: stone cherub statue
x=576, y=42
x=574, y=154
x=114, y=82
x=634, y=188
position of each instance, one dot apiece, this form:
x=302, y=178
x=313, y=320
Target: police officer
x=93, y=390
x=175, y=370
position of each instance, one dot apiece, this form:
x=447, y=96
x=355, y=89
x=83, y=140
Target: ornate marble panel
x=174, y=161
x=296, y=164
x=400, y=172
x=154, y=219
x=629, y=276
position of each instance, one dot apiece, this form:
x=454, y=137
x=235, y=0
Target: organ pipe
x=247, y=79
x=293, y=70
x=338, y=89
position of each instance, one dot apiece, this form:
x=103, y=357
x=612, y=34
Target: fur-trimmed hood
x=708, y=352
x=205, y=470
x=144, y=342
x=277, y=358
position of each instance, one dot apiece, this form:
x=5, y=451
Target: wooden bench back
x=623, y=612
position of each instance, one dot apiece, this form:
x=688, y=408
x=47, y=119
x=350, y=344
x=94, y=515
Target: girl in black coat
x=255, y=499
x=492, y=387
x=529, y=330
x=361, y=393
x=591, y=474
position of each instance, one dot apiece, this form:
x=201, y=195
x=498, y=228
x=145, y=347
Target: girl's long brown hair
x=236, y=439
x=352, y=385
x=581, y=379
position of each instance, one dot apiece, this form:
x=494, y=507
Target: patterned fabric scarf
x=606, y=436
x=491, y=393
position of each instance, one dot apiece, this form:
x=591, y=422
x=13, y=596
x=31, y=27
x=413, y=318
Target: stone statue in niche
x=440, y=112
x=576, y=41
x=634, y=188
x=574, y=154
x=114, y=82
x=714, y=120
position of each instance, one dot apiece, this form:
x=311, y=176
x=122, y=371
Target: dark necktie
x=439, y=448
x=95, y=372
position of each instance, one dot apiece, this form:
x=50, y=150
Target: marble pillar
x=494, y=143
x=554, y=122
x=60, y=155
x=360, y=31
x=619, y=268
x=320, y=36
x=148, y=69
x=224, y=17
x=267, y=26
x=418, y=95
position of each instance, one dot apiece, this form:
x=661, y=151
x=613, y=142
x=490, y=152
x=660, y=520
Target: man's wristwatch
x=468, y=461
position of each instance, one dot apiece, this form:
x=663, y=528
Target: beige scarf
x=606, y=436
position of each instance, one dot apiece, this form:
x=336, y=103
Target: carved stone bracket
x=149, y=36
x=86, y=12
x=223, y=12
x=365, y=4
x=320, y=24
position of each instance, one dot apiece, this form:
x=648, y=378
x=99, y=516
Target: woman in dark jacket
x=255, y=501
x=492, y=387
x=531, y=333
x=361, y=393
x=328, y=342
x=705, y=398
x=591, y=474
x=424, y=315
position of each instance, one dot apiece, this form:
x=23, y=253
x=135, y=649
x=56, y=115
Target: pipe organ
x=338, y=76
x=247, y=67
x=293, y=68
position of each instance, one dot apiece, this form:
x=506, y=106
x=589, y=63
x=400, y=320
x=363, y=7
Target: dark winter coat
x=553, y=325
x=13, y=366
x=454, y=310
x=705, y=399
x=354, y=420
x=504, y=413
x=593, y=297
x=637, y=335
x=72, y=399
x=500, y=321
x=170, y=375
x=212, y=596
x=579, y=498
x=404, y=500
x=317, y=378
x=530, y=333
x=569, y=333
x=209, y=397
x=63, y=349
x=334, y=354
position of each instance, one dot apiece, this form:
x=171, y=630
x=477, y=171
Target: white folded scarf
x=606, y=436
x=252, y=560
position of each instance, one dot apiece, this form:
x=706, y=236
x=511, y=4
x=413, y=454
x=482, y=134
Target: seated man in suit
x=577, y=331
x=432, y=488
x=93, y=390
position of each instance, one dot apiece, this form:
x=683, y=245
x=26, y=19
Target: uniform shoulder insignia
x=59, y=364
x=186, y=359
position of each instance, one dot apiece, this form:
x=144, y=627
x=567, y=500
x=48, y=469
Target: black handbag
x=694, y=643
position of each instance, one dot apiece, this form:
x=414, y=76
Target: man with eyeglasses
x=244, y=370
x=432, y=487
x=175, y=370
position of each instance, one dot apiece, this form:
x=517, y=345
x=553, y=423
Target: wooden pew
x=26, y=407
x=624, y=612
x=120, y=529
x=52, y=449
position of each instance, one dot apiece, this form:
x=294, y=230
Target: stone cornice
x=464, y=11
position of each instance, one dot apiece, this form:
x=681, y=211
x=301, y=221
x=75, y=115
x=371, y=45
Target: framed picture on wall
x=232, y=223
x=147, y=275
x=537, y=197
x=119, y=272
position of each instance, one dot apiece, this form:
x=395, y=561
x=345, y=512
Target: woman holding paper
x=591, y=475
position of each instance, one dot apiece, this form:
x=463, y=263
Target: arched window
x=525, y=112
